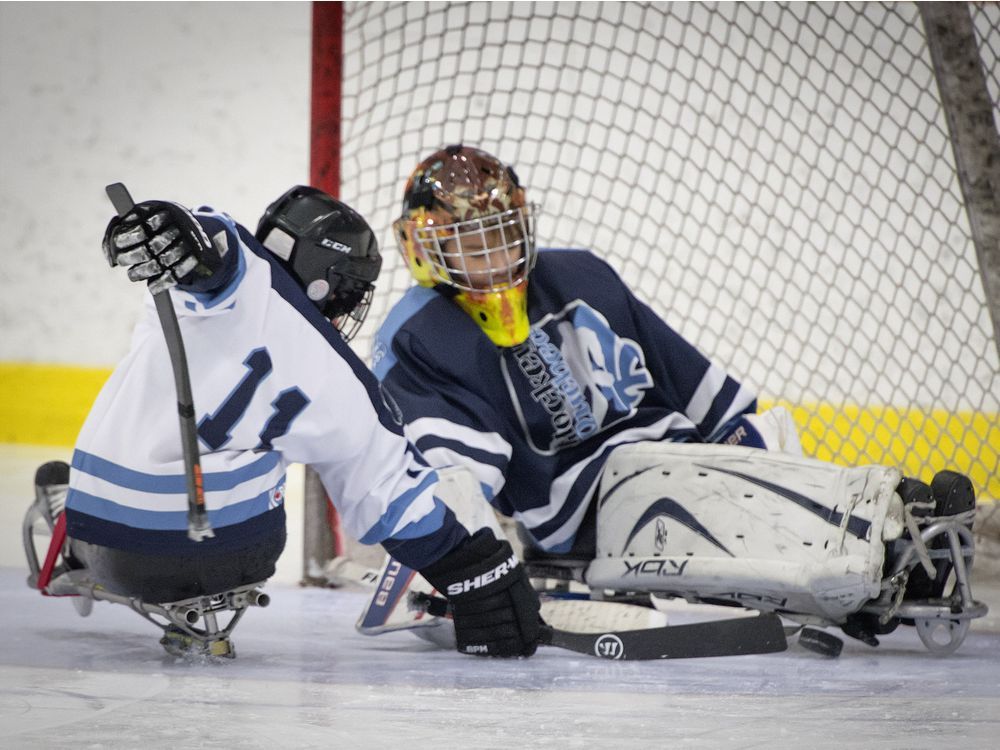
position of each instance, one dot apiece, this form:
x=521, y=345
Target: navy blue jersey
x=536, y=422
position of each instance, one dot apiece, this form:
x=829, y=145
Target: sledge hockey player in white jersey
x=273, y=383
x=629, y=460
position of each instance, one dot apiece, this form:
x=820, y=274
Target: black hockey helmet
x=329, y=248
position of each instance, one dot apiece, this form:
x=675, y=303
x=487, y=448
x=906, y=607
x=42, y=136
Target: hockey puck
x=821, y=643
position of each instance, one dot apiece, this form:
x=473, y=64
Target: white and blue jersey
x=273, y=383
x=536, y=422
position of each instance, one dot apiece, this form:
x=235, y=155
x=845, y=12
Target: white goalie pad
x=769, y=531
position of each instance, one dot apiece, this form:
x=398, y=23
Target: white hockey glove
x=161, y=243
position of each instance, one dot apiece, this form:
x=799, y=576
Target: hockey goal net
x=782, y=182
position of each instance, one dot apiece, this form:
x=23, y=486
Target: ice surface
x=303, y=678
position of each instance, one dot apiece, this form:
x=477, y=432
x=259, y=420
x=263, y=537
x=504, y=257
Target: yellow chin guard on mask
x=466, y=225
x=503, y=316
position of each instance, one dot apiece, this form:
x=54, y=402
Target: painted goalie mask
x=466, y=225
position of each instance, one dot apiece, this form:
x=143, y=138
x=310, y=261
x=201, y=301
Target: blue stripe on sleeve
x=720, y=405
x=170, y=484
x=217, y=288
x=383, y=528
x=208, y=300
x=496, y=460
x=422, y=551
x=575, y=496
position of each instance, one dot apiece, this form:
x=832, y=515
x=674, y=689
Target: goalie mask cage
x=802, y=190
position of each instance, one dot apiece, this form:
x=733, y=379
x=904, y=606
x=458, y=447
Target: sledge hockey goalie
x=632, y=463
x=859, y=548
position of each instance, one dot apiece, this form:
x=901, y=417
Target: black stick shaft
x=199, y=527
x=762, y=634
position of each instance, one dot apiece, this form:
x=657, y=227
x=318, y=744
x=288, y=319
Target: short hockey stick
x=763, y=634
x=564, y=610
x=199, y=527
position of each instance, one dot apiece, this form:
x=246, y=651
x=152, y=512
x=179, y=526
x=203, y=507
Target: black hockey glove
x=162, y=243
x=495, y=608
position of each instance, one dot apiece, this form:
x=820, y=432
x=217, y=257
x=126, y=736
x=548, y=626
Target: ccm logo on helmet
x=334, y=245
x=483, y=579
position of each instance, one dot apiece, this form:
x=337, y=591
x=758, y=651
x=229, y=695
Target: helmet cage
x=349, y=322
x=345, y=295
x=491, y=253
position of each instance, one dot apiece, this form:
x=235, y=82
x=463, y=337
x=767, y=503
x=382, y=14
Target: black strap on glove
x=495, y=608
x=162, y=243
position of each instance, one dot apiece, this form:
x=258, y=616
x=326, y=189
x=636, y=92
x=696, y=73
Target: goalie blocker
x=860, y=548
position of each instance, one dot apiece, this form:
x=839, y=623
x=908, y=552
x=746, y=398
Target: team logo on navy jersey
x=573, y=377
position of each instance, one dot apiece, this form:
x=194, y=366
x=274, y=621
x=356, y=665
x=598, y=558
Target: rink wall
x=201, y=103
x=198, y=103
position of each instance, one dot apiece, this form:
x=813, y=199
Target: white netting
x=776, y=180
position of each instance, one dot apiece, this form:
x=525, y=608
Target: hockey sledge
x=199, y=627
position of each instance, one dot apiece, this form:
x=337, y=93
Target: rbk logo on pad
x=667, y=507
x=573, y=377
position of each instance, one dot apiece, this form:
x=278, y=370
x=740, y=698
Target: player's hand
x=159, y=242
x=495, y=608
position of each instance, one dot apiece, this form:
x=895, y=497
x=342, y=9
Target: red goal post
x=806, y=191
